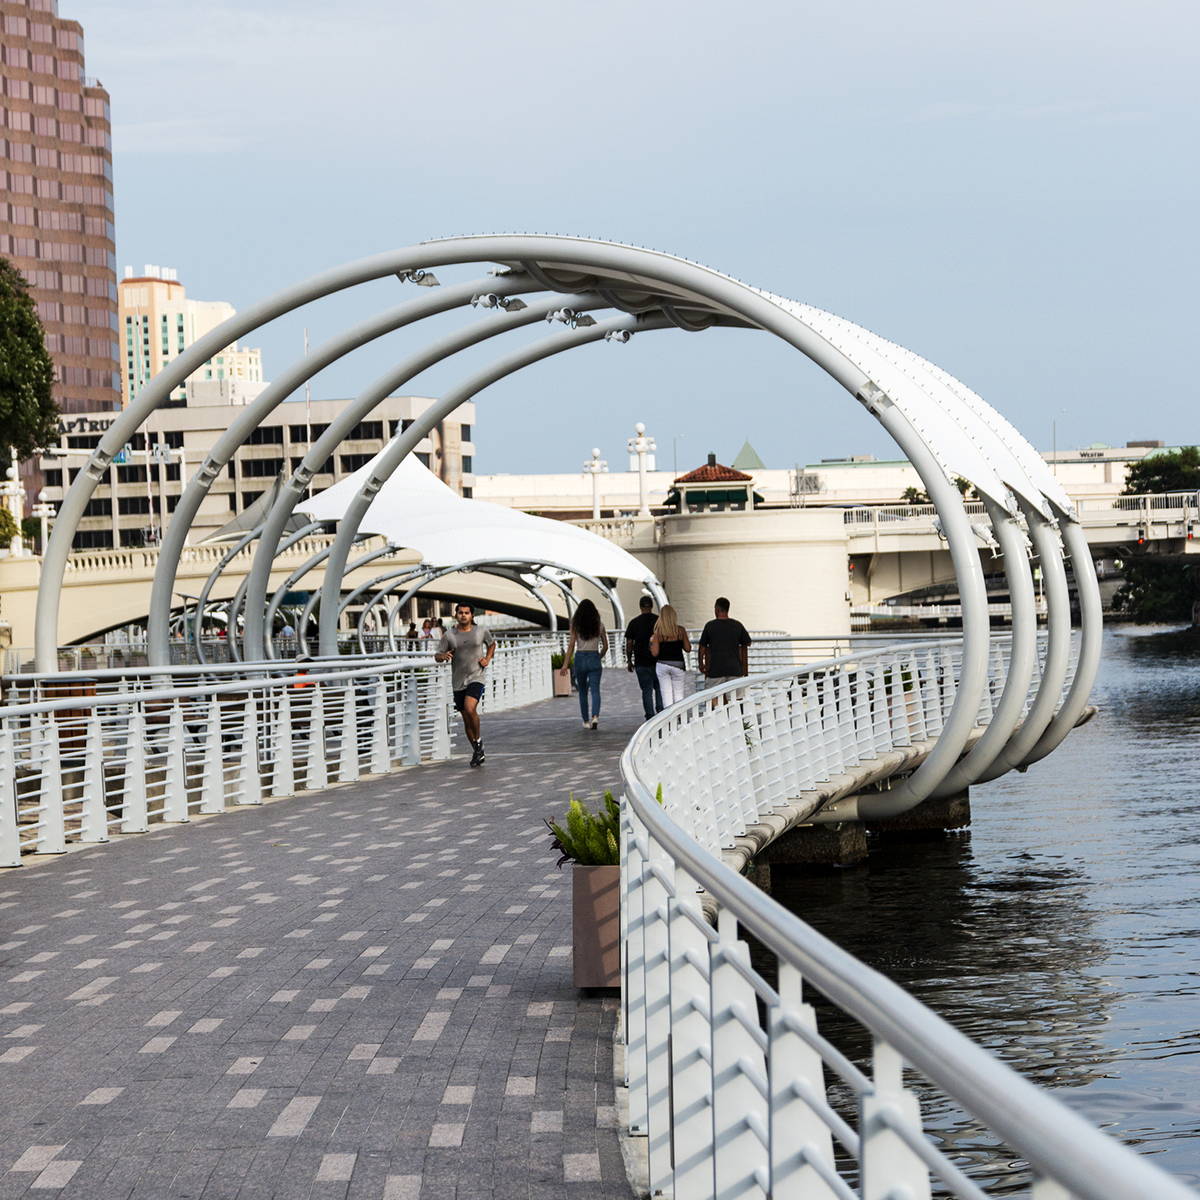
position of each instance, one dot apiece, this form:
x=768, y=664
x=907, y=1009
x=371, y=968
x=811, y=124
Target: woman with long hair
x=669, y=644
x=589, y=644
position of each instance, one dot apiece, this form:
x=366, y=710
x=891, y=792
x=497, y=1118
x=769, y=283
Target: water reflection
x=1062, y=931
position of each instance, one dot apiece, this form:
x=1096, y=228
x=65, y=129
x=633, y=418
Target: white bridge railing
x=730, y=1080
x=83, y=757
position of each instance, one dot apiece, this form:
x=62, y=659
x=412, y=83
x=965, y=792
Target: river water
x=1063, y=930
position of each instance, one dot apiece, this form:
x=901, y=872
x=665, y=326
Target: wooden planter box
x=596, y=923
x=562, y=684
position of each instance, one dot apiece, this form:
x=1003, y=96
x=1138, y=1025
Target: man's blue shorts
x=472, y=689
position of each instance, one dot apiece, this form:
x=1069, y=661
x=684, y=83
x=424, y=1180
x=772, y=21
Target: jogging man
x=469, y=650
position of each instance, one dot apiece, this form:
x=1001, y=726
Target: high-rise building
x=158, y=323
x=56, y=210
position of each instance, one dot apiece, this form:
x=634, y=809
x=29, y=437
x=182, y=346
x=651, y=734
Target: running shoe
x=478, y=756
x=595, y=722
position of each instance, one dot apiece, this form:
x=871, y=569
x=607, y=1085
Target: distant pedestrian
x=639, y=660
x=723, y=653
x=589, y=644
x=427, y=630
x=670, y=646
x=411, y=635
x=469, y=649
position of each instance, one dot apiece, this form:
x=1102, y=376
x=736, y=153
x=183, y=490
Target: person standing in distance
x=670, y=645
x=639, y=660
x=469, y=650
x=723, y=653
x=588, y=645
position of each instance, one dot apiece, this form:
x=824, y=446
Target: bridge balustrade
x=726, y=1068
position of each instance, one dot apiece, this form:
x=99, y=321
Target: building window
x=98, y=508
x=352, y=462
x=266, y=435
x=423, y=459
x=465, y=432
x=131, y=474
x=261, y=468
x=53, y=477
x=299, y=433
x=467, y=464
x=248, y=498
x=467, y=493
x=326, y=468
x=130, y=506
x=232, y=500
x=92, y=539
x=366, y=431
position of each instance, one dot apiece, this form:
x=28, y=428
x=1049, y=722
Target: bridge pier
x=930, y=816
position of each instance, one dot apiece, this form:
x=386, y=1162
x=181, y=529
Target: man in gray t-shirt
x=469, y=650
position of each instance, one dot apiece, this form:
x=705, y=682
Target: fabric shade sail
x=417, y=511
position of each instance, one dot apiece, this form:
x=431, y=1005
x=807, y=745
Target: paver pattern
x=362, y=992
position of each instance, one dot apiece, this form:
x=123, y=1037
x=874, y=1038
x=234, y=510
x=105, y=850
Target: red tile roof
x=714, y=473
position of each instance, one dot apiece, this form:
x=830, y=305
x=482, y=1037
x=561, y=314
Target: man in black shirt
x=724, y=647
x=639, y=659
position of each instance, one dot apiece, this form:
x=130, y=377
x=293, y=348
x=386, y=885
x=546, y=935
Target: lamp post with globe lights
x=595, y=467
x=642, y=446
x=14, y=500
x=44, y=511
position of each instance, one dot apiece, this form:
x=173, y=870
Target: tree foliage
x=8, y=527
x=28, y=413
x=1158, y=589
x=1173, y=471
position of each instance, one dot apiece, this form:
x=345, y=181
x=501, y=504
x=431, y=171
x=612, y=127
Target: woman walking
x=589, y=643
x=669, y=644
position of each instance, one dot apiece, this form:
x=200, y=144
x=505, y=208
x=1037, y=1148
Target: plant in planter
x=591, y=841
x=562, y=683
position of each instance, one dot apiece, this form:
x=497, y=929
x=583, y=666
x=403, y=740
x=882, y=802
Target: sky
x=1009, y=190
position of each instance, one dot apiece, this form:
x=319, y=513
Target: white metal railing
x=725, y=1064
x=85, y=756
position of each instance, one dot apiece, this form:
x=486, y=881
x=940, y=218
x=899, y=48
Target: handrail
x=1060, y=1145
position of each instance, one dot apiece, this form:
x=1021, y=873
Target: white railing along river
x=85, y=756
x=726, y=1067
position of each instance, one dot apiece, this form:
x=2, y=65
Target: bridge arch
x=942, y=426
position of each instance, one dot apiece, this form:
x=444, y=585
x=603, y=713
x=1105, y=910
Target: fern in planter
x=557, y=659
x=589, y=839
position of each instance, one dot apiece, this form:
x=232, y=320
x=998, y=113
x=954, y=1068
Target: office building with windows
x=56, y=208
x=158, y=323
x=135, y=502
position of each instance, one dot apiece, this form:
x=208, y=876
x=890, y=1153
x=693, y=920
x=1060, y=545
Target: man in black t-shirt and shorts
x=724, y=648
x=639, y=659
x=469, y=650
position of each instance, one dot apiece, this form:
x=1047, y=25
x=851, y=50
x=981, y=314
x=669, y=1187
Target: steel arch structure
x=940, y=424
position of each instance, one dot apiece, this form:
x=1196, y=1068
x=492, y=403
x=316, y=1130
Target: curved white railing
x=85, y=756
x=726, y=1068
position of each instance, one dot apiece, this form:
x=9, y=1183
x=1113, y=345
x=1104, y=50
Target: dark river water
x=1063, y=930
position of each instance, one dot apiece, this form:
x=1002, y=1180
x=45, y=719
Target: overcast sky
x=1007, y=189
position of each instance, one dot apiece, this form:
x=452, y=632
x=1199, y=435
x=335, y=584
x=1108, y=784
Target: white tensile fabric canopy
x=416, y=510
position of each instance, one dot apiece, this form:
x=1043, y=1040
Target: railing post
x=691, y=1048
x=657, y=976
x=316, y=771
x=134, y=817
x=175, y=807
x=283, y=767
x=798, y=1133
x=212, y=781
x=408, y=718
x=635, y=972
x=53, y=839
x=348, y=766
x=888, y=1165
x=251, y=779
x=441, y=714
x=10, y=833
x=381, y=759
x=93, y=826
x=740, y=1120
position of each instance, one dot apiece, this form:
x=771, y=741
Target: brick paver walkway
x=365, y=992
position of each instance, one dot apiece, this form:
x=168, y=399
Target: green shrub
x=557, y=659
x=589, y=839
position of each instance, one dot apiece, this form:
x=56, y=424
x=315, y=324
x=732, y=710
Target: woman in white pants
x=669, y=644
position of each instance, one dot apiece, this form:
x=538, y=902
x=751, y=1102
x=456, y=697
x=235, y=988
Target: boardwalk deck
x=364, y=992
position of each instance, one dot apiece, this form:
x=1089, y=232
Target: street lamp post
x=43, y=510
x=642, y=446
x=595, y=467
x=1054, y=447
x=14, y=501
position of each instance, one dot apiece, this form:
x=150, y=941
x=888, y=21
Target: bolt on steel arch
x=940, y=424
